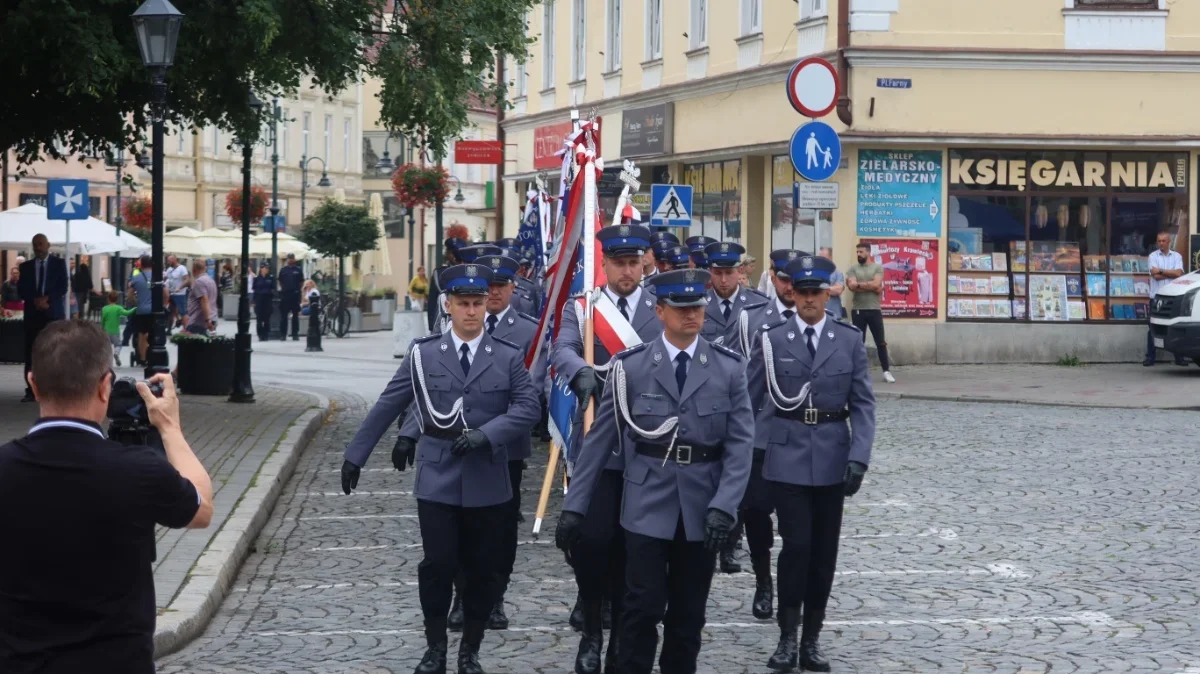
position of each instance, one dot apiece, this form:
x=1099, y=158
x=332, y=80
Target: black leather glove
x=350, y=473
x=853, y=477
x=584, y=384
x=567, y=533
x=470, y=441
x=718, y=525
x=405, y=452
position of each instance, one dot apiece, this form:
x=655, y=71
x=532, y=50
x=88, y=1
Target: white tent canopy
x=19, y=225
x=260, y=246
x=184, y=241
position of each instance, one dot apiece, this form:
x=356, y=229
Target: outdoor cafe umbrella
x=220, y=242
x=377, y=261
x=19, y=225
x=260, y=246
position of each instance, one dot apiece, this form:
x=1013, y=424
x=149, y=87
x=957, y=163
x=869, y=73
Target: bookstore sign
x=1058, y=171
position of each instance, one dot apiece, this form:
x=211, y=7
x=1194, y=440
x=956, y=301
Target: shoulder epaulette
x=844, y=324
x=727, y=351
x=426, y=338
x=500, y=340
x=772, y=326
x=760, y=295
x=631, y=350
x=527, y=317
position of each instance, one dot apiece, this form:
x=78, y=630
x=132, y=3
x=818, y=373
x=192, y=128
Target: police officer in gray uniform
x=678, y=410
x=599, y=554
x=808, y=375
x=505, y=323
x=525, y=295
x=475, y=402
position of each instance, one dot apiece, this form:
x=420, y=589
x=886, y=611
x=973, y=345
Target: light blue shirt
x=834, y=304
x=141, y=291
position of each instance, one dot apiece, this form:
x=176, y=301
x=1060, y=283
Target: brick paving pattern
x=988, y=538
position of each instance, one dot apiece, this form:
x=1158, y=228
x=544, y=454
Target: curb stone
x=209, y=580
x=1012, y=401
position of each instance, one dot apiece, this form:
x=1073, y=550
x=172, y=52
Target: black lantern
x=157, y=23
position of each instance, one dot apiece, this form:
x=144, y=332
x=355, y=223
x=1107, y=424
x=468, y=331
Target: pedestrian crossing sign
x=671, y=205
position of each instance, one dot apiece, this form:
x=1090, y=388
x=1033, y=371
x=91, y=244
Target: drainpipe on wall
x=844, y=111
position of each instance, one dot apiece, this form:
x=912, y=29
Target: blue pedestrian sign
x=274, y=223
x=67, y=200
x=671, y=205
x=816, y=151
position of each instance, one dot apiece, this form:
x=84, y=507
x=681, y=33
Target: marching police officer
x=433, y=305
x=599, y=554
x=501, y=322
x=525, y=294
x=698, y=243
x=476, y=402
x=699, y=259
x=291, y=281
x=807, y=376
x=678, y=410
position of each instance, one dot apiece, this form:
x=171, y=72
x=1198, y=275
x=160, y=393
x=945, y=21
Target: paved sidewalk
x=1164, y=386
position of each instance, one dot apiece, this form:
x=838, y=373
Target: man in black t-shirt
x=76, y=584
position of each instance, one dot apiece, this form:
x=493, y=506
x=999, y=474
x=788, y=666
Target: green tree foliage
x=73, y=75
x=339, y=230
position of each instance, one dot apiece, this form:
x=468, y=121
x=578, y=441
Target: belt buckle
x=810, y=416
x=679, y=457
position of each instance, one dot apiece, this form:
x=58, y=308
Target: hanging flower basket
x=138, y=214
x=457, y=231
x=258, y=204
x=420, y=186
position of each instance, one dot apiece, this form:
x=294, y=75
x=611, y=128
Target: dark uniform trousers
x=454, y=535
x=668, y=582
x=810, y=523
x=599, y=556
x=289, y=303
x=755, y=513
x=262, y=314
x=512, y=513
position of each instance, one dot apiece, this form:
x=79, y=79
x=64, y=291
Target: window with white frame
x=698, y=28
x=813, y=8
x=307, y=127
x=548, y=44
x=328, y=138
x=654, y=29
x=519, y=79
x=578, y=40
x=612, y=40
x=751, y=17
x=346, y=144
x=284, y=134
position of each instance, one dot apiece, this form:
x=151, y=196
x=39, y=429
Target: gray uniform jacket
x=814, y=455
x=498, y=398
x=713, y=408
x=530, y=297
x=518, y=329
x=567, y=356
x=726, y=332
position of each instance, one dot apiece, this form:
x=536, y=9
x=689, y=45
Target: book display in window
x=1048, y=300
x=978, y=287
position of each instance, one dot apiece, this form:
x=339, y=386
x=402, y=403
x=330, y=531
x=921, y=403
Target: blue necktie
x=808, y=341
x=41, y=277
x=727, y=310
x=623, y=306
x=681, y=362
x=465, y=361
x=491, y=323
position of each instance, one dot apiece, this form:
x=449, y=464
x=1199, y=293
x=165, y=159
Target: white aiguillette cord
x=744, y=332
x=620, y=399
x=781, y=401
x=456, y=412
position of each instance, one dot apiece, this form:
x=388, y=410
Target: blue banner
x=530, y=236
x=561, y=411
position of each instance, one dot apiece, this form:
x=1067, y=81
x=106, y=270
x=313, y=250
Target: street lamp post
x=157, y=24
x=323, y=182
x=118, y=162
x=243, y=389
x=273, y=326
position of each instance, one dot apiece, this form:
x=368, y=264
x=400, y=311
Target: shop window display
x=793, y=227
x=716, y=199
x=1059, y=237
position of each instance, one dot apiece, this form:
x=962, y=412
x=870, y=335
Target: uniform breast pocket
x=440, y=383
x=714, y=410
x=496, y=394
x=839, y=373
x=650, y=412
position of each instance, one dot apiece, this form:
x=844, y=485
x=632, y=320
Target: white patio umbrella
x=19, y=225
x=220, y=242
x=377, y=261
x=260, y=245
x=184, y=241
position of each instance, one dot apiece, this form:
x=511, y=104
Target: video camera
x=130, y=420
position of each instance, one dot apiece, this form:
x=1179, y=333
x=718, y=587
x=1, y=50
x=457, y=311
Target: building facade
x=1010, y=163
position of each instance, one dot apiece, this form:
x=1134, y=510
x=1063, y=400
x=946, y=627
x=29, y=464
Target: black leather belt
x=813, y=416
x=681, y=453
x=442, y=433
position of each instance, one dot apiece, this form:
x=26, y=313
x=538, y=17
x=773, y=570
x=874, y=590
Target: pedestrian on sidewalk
x=76, y=582
x=177, y=282
x=1165, y=264
x=43, y=288
x=865, y=280
x=202, y=301
x=309, y=291
x=264, y=295
x=418, y=289
x=82, y=287
x=225, y=286
x=10, y=293
x=837, y=286
x=291, y=279
x=110, y=318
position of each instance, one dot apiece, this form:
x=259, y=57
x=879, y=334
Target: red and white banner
x=611, y=328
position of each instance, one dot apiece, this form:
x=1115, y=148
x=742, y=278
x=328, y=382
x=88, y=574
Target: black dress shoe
x=576, y=619
x=729, y=563
x=811, y=657
x=434, y=660
x=497, y=620
x=786, y=656
x=591, y=642
x=1147, y=363
x=764, y=588
x=454, y=621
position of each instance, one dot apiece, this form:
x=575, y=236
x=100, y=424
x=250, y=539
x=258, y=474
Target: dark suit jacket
x=56, y=286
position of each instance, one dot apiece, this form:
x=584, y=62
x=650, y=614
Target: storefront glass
x=716, y=199
x=793, y=227
x=1059, y=236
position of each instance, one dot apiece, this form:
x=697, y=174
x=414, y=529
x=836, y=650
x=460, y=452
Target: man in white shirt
x=1165, y=264
x=177, y=286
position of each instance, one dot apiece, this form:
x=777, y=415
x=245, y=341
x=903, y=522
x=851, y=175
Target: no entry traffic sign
x=812, y=87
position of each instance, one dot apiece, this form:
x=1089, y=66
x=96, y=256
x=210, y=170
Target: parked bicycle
x=336, y=317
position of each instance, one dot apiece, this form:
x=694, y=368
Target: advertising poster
x=899, y=193
x=910, y=276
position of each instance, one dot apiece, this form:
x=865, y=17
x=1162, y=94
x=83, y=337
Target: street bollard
x=314, y=324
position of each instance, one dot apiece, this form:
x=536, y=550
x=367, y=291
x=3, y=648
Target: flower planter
x=205, y=365
x=12, y=341
x=385, y=308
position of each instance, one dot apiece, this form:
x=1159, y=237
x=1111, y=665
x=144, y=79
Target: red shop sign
x=546, y=141
x=478, y=152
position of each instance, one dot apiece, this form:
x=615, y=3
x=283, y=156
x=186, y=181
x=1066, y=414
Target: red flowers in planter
x=138, y=214
x=258, y=204
x=420, y=186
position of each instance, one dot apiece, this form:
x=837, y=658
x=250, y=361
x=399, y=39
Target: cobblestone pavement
x=988, y=538
x=231, y=440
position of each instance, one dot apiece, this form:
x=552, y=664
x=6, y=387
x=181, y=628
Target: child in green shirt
x=110, y=318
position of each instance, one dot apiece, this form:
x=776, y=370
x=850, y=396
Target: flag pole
x=589, y=258
x=547, y=483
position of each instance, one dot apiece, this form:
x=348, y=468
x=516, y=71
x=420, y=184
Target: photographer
x=76, y=581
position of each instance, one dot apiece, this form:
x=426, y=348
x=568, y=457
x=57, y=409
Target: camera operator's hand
x=164, y=410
